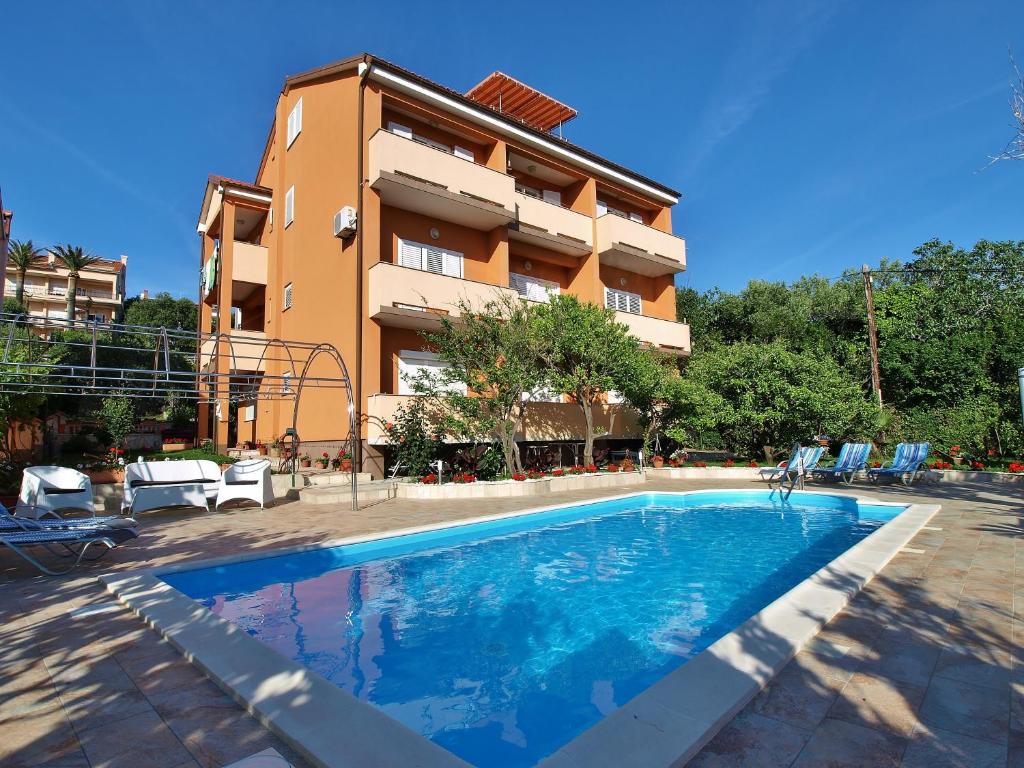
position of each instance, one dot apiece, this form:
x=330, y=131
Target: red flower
x=754, y=464
x=729, y=463
x=591, y=468
x=519, y=477
x=876, y=464
x=558, y=473
x=429, y=479
x=978, y=465
x=1016, y=467
x=700, y=464
x=612, y=468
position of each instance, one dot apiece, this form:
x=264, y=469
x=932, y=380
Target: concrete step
x=372, y=490
x=337, y=478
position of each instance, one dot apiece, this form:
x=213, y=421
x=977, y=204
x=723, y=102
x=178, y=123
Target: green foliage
x=492, y=355
x=20, y=255
x=584, y=352
x=772, y=397
x=163, y=311
x=414, y=444
x=13, y=307
x=117, y=415
x=19, y=403
x=74, y=259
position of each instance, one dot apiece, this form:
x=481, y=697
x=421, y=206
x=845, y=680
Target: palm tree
x=74, y=260
x=21, y=255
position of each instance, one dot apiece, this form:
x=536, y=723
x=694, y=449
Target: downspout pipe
x=357, y=439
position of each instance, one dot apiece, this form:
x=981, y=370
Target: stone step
x=374, y=490
x=337, y=478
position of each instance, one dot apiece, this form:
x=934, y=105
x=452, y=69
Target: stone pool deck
x=923, y=667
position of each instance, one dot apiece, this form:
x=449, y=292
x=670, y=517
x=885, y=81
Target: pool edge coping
x=294, y=702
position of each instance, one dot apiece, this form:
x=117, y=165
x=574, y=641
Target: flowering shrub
x=536, y=474
x=557, y=472
x=612, y=468
x=954, y=450
x=591, y=468
x=1016, y=467
x=978, y=465
x=464, y=477
x=876, y=464
x=941, y=465
x=324, y=459
x=729, y=463
x=429, y=479
x=579, y=469
x=754, y=464
x=700, y=464
x=519, y=477
x=675, y=463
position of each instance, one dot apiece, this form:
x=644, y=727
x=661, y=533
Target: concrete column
x=223, y=360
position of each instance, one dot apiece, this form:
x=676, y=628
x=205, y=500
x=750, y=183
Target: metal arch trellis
x=91, y=358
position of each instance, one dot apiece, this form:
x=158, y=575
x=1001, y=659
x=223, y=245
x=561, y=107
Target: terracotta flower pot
x=346, y=465
x=262, y=450
x=658, y=462
x=305, y=463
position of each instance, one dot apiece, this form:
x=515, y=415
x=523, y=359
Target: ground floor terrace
x=922, y=668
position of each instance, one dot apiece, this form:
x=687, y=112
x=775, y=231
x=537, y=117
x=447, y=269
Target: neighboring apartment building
x=100, y=292
x=455, y=196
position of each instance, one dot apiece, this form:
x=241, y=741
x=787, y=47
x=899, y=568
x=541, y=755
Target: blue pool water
x=503, y=641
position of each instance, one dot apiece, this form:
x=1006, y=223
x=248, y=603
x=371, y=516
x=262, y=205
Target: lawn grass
x=189, y=453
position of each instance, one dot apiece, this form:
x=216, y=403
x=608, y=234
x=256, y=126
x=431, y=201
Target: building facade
x=100, y=291
x=381, y=200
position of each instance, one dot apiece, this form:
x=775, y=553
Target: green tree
x=584, y=351
x=20, y=255
x=117, y=415
x=773, y=397
x=414, y=444
x=74, y=259
x=650, y=382
x=491, y=355
x=162, y=310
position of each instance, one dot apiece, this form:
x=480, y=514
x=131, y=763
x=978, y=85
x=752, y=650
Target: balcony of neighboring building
x=632, y=245
x=444, y=182
x=667, y=335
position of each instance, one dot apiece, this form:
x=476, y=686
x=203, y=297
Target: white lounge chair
x=158, y=484
x=45, y=490
x=249, y=479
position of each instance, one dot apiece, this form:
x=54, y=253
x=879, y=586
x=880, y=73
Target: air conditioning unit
x=345, y=222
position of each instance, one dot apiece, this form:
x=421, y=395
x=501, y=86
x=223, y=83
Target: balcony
x=667, y=335
x=413, y=298
x=542, y=421
x=249, y=263
x=638, y=248
x=551, y=226
x=414, y=177
x=242, y=350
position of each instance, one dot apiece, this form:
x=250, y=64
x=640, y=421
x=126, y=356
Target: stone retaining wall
x=515, y=488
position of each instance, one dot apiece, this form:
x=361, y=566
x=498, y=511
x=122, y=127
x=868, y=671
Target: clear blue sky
x=806, y=137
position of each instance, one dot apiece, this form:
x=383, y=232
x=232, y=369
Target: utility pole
x=869, y=296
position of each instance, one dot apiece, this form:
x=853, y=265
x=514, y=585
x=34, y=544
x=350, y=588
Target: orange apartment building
x=454, y=196
x=100, y=290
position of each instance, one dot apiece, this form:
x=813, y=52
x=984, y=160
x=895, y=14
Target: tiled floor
x=921, y=670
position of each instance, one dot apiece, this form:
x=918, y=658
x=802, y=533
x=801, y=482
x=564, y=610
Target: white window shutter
x=634, y=303
x=400, y=130
x=552, y=196
x=452, y=263
x=465, y=154
x=519, y=284
x=289, y=206
x=602, y=209
x=636, y=217
x=433, y=260
x=288, y=296
x=410, y=254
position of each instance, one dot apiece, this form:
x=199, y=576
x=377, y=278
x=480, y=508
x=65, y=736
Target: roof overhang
x=217, y=187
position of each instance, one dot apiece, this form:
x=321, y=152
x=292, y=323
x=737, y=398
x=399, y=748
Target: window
x=249, y=413
x=288, y=296
x=289, y=206
x=533, y=288
x=407, y=133
x=523, y=189
x=414, y=365
x=270, y=217
x=236, y=318
x=547, y=195
x=623, y=301
x=286, y=383
x=429, y=258
x=295, y=122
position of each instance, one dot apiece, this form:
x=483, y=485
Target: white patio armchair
x=45, y=490
x=249, y=479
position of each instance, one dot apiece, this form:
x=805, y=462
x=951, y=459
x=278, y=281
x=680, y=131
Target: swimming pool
x=502, y=641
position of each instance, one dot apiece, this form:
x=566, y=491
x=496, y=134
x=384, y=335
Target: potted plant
x=342, y=461
x=275, y=449
x=323, y=460
x=954, y=452
x=657, y=461
x=628, y=465
x=305, y=461
x=261, y=448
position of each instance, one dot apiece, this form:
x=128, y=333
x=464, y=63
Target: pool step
x=372, y=490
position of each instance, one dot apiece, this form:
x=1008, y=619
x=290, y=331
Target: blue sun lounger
x=852, y=458
x=906, y=465
x=68, y=539
x=808, y=458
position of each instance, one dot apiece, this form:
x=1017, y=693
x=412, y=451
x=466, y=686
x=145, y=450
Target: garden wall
x=518, y=488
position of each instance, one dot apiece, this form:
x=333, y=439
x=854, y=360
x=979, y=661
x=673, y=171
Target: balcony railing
x=639, y=248
x=38, y=291
x=240, y=350
x=415, y=177
x=414, y=298
x=666, y=334
x=551, y=226
x=249, y=263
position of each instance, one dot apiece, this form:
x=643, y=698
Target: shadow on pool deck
x=922, y=668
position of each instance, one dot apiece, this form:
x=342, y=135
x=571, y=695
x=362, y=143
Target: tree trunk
x=19, y=290
x=588, y=440
x=511, y=451
x=72, y=290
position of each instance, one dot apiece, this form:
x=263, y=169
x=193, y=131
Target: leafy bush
x=414, y=444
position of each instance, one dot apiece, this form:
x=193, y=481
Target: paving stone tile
x=140, y=741
x=902, y=660
x=967, y=709
x=752, y=739
x=878, y=703
x=988, y=667
x=838, y=744
x=797, y=697
x=936, y=748
x=37, y=738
